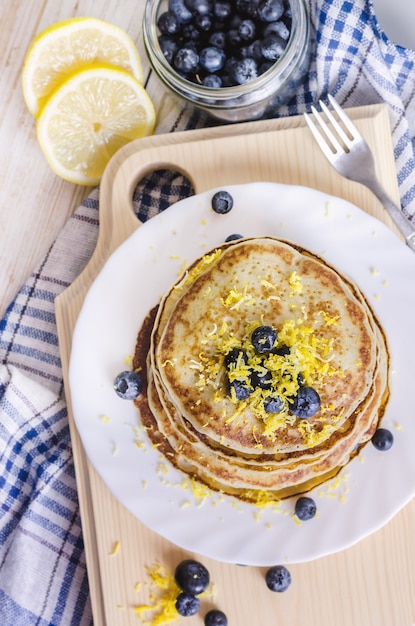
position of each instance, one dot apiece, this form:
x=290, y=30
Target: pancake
x=328, y=339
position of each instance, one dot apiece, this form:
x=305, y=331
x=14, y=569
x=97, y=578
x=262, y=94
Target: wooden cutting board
x=370, y=583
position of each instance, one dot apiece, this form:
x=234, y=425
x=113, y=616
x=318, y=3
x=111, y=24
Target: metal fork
x=354, y=159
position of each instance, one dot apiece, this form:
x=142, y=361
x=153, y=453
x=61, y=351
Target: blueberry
x=222, y=9
x=233, y=237
x=261, y=378
x=305, y=508
x=192, y=577
x=247, y=30
x=306, y=403
x=264, y=339
x=241, y=389
x=231, y=358
x=382, y=439
x=272, y=47
x=168, y=23
x=222, y=202
x=282, y=350
x=212, y=59
x=273, y=404
x=215, y=618
x=217, y=39
x=201, y=7
x=203, y=23
x=278, y=578
x=245, y=71
x=128, y=385
x=212, y=80
x=169, y=47
x=187, y=604
x=277, y=28
x=186, y=60
x=270, y=10
x=179, y=8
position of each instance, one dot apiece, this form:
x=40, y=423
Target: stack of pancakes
x=328, y=339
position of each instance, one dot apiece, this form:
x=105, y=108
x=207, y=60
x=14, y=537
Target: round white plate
x=366, y=494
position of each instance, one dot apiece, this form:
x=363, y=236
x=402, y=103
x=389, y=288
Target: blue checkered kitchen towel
x=43, y=578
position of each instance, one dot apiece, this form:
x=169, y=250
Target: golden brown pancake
x=328, y=339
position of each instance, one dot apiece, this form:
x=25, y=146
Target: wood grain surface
x=371, y=582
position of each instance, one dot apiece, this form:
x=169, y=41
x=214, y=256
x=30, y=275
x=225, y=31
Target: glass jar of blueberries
x=238, y=60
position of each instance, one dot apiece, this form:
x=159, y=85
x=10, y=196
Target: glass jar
x=257, y=98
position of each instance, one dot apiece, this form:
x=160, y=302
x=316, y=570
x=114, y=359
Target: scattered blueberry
x=222, y=202
x=215, y=618
x=273, y=404
x=233, y=237
x=264, y=339
x=128, y=385
x=306, y=403
x=187, y=604
x=241, y=389
x=250, y=36
x=305, y=508
x=192, y=577
x=382, y=439
x=278, y=578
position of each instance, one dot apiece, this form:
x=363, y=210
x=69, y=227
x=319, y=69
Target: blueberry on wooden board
x=187, y=604
x=215, y=618
x=278, y=578
x=192, y=577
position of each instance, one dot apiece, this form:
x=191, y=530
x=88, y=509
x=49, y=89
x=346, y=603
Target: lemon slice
x=68, y=46
x=88, y=118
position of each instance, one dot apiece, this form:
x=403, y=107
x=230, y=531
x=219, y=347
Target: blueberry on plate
x=192, y=577
x=187, y=604
x=305, y=508
x=222, y=202
x=233, y=237
x=128, y=385
x=264, y=339
x=382, y=439
x=278, y=578
x=306, y=403
x=215, y=618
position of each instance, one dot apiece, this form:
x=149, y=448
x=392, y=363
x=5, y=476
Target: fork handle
x=407, y=229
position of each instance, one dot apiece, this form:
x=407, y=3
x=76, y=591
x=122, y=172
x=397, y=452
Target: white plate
x=368, y=492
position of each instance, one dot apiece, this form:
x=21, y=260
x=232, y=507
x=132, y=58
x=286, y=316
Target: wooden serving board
x=370, y=583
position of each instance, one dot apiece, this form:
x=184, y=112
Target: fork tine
x=319, y=138
x=339, y=130
x=345, y=118
x=327, y=132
